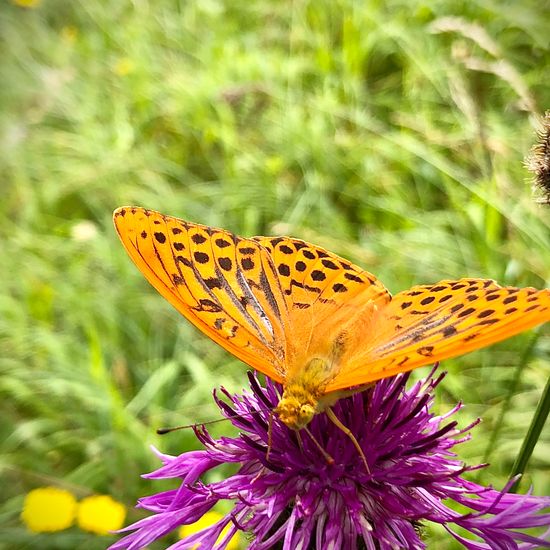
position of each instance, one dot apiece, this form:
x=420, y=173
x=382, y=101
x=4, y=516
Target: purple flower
x=294, y=498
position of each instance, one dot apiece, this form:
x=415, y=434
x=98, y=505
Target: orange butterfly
x=311, y=320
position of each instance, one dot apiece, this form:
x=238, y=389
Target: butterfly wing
x=225, y=285
x=312, y=276
x=326, y=297
x=429, y=323
x=277, y=302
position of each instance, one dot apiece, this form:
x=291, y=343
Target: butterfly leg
x=330, y=413
x=326, y=456
x=269, y=435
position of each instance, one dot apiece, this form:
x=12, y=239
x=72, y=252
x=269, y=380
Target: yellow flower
x=205, y=521
x=48, y=509
x=69, y=33
x=100, y=514
x=27, y=3
x=124, y=66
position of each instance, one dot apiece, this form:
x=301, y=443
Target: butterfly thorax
x=301, y=399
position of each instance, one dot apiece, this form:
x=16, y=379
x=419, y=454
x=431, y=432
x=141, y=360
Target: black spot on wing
x=283, y=270
x=467, y=311
x=352, y=277
x=247, y=264
x=225, y=263
x=285, y=249
x=318, y=275
x=209, y=305
x=197, y=238
x=329, y=264
x=213, y=282
x=485, y=313
x=201, y=257
x=426, y=351
x=222, y=243
x=449, y=331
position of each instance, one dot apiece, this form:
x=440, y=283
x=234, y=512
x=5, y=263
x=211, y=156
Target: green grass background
x=392, y=133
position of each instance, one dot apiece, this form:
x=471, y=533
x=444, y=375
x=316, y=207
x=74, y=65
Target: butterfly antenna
x=163, y=431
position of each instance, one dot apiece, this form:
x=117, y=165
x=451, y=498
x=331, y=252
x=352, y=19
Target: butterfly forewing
x=429, y=323
x=220, y=282
x=312, y=276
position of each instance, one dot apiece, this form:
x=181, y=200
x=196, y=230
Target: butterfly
x=309, y=319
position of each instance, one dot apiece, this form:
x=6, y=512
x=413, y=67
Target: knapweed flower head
x=293, y=498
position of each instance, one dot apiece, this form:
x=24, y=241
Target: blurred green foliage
x=392, y=133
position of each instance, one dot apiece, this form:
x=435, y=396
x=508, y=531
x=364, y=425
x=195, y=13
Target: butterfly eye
x=307, y=412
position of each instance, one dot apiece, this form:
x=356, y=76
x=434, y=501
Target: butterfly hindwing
x=222, y=283
x=429, y=323
x=328, y=299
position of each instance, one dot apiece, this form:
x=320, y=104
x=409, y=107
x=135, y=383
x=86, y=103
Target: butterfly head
x=300, y=400
x=295, y=412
